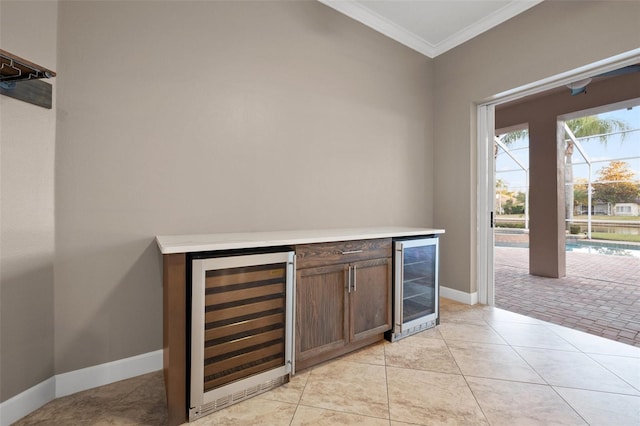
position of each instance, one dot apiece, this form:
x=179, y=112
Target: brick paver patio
x=600, y=294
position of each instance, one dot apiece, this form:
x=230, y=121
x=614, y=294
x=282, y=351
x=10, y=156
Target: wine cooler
x=241, y=328
x=415, y=294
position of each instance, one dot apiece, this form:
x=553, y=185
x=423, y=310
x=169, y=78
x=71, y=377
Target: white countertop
x=170, y=244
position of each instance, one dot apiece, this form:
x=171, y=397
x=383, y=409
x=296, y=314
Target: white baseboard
x=30, y=400
x=103, y=374
x=76, y=381
x=459, y=296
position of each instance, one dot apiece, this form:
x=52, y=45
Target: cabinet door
x=370, y=298
x=321, y=310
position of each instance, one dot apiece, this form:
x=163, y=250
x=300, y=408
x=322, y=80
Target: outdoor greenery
x=615, y=237
x=511, y=225
x=580, y=194
x=615, y=184
x=511, y=208
x=508, y=202
x=516, y=221
x=590, y=125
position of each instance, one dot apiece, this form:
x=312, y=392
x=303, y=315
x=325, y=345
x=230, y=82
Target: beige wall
x=547, y=251
x=27, y=144
x=196, y=117
x=548, y=39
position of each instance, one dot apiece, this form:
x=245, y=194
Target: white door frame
x=486, y=203
x=485, y=161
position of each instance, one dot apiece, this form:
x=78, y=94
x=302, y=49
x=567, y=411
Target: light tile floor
x=481, y=366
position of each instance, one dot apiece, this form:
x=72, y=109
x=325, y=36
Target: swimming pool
x=609, y=249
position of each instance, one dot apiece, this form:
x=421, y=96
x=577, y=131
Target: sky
x=598, y=152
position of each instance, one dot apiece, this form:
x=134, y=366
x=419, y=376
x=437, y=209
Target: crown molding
x=485, y=24
x=373, y=20
x=392, y=30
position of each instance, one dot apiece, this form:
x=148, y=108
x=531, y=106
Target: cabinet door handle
x=355, y=278
x=349, y=280
x=351, y=252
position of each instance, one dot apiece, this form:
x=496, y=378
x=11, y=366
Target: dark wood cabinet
x=321, y=310
x=370, y=300
x=343, y=298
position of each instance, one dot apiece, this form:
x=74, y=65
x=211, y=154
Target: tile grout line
x=595, y=391
x=386, y=381
x=465, y=378
x=568, y=404
x=513, y=348
x=547, y=384
x=550, y=328
x=300, y=399
x=588, y=357
x=611, y=371
x=578, y=350
x=343, y=359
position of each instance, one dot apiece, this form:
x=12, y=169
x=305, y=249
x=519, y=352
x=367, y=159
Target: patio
x=600, y=294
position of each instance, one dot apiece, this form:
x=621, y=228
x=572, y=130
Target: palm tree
x=583, y=126
x=590, y=125
x=510, y=138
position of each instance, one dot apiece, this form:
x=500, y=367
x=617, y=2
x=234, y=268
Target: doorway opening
x=505, y=204
x=485, y=121
x=599, y=293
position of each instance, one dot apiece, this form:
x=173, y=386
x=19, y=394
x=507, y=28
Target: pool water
x=626, y=250
x=609, y=249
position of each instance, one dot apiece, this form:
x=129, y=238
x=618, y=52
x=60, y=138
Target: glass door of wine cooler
x=241, y=327
x=416, y=281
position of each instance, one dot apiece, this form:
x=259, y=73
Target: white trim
x=485, y=188
x=75, y=381
x=613, y=63
x=459, y=296
x=629, y=103
x=28, y=401
x=485, y=24
x=509, y=129
x=379, y=23
x=382, y=25
x=110, y=372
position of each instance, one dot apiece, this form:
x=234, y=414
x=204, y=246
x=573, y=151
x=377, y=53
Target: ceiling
x=431, y=27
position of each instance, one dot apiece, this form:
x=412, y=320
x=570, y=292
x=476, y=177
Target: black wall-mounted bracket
x=20, y=79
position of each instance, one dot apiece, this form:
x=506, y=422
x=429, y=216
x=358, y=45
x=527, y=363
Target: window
x=623, y=209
